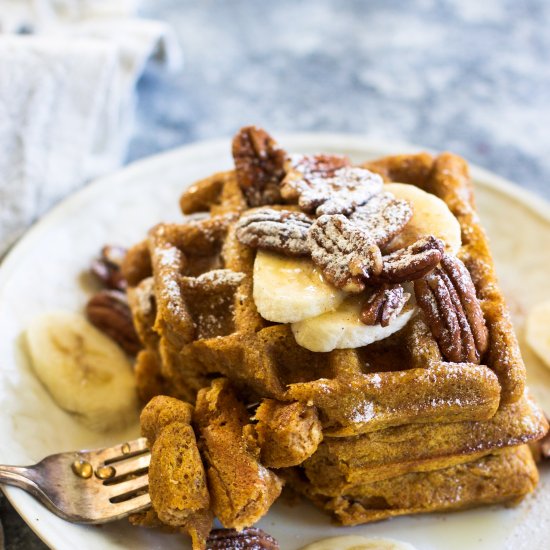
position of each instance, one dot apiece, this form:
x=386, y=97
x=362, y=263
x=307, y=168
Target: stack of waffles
x=405, y=394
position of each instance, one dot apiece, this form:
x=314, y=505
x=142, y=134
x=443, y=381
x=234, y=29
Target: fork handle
x=27, y=479
x=19, y=476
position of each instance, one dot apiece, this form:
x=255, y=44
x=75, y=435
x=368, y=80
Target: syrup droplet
x=82, y=469
x=105, y=472
x=125, y=448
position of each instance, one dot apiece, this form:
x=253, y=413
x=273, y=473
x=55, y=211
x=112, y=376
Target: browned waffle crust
x=504, y=477
x=393, y=414
x=206, y=323
x=175, y=459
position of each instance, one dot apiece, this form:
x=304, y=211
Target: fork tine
x=125, y=487
x=130, y=465
x=131, y=506
x=121, y=451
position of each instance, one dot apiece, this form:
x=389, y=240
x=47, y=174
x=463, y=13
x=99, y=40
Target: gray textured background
x=471, y=76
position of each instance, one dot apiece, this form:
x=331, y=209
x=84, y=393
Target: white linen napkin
x=67, y=97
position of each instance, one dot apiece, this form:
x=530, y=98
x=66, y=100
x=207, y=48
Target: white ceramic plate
x=44, y=272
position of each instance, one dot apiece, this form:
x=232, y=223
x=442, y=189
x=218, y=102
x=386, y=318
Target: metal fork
x=95, y=486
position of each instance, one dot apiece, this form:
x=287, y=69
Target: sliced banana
x=538, y=331
x=85, y=372
x=343, y=329
x=352, y=542
x=431, y=216
x=287, y=290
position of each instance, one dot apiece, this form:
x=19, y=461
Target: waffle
x=448, y=178
x=241, y=488
x=199, y=339
x=287, y=433
x=504, y=477
x=358, y=431
x=175, y=459
x=342, y=462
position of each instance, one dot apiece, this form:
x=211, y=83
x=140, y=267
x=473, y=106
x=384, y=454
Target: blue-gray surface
x=471, y=76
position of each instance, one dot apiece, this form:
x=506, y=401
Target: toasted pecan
x=109, y=311
x=250, y=538
x=259, y=163
x=448, y=298
x=412, y=262
x=346, y=254
x=278, y=230
x=107, y=268
x=330, y=191
x=384, y=305
x=383, y=216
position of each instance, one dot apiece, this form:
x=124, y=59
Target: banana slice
x=343, y=329
x=538, y=331
x=351, y=542
x=85, y=372
x=431, y=216
x=287, y=290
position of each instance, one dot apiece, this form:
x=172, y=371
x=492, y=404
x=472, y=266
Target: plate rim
x=537, y=204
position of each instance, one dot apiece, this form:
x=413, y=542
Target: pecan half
x=107, y=267
x=412, y=262
x=250, y=538
x=279, y=230
x=108, y=310
x=384, y=305
x=461, y=279
x=541, y=448
x=448, y=298
x=338, y=193
x=300, y=169
x=259, y=164
x=383, y=216
x=344, y=252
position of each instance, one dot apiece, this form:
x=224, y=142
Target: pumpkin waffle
x=241, y=488
x=340, y=463
x=448, y=178
x=354, y=395
x=175, y=459
x=503, y=477
x=361, y=431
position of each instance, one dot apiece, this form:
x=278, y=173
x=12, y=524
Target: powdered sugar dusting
x=324, y=191
x=337, y=244
x=171, y=294
x=362, y=413
x=278, y=230
x=383, y=216
x=168, y=256
x=145, y=293
x=347, y=189
x=216, y=277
